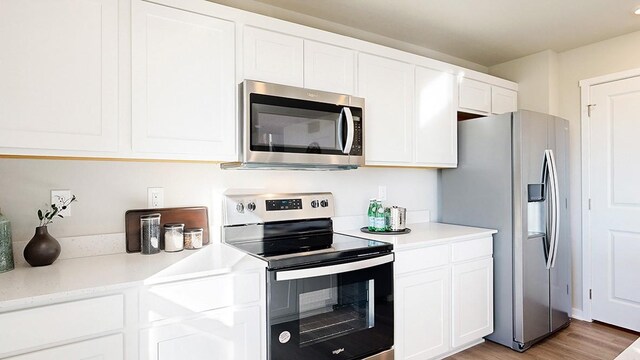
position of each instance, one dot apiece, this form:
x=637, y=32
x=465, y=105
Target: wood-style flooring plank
x=580, y=341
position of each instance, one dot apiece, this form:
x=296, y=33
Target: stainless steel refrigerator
x=512, y=176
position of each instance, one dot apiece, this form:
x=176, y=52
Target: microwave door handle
x=341, y=139
x=350, y=131
x=332, y=269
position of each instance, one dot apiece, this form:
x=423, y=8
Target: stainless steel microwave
x=289, y=127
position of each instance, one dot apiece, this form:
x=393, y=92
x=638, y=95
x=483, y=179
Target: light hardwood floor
x=580, y=341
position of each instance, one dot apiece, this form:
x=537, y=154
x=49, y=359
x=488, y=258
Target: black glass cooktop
x=304, y=250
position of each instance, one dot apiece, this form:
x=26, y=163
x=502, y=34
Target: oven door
x=340, y=311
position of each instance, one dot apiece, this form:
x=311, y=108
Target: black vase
x=42, y=249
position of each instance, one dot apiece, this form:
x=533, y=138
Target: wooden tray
x=191, y=217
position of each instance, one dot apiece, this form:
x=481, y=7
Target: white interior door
x=614, y=175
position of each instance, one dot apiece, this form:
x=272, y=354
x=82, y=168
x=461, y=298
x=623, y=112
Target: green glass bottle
x=372, y=215
x=6, y=248
x=379, y=216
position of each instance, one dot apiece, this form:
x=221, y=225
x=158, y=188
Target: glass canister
x=173, y=237
x=6, y=248
x=150, y=234
x=193, y=238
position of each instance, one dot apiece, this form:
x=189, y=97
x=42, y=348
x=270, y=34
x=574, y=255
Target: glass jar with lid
x=150, y=234
x=173, y=237
x=193, y=238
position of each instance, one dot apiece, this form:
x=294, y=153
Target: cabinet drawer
x=28, y=328
x=192, y=296
x=105, y=348
x=423, y=258
x=471, y=249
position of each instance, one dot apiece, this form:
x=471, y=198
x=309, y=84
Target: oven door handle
x=332, y=269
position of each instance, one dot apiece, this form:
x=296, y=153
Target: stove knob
x=240, y=208
x=315, y=203
x=324, y=203
x=251, y=206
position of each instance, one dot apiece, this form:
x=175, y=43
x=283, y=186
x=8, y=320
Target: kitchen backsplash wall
x=106, y=189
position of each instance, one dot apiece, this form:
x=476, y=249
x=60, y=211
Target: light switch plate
x=59, y=197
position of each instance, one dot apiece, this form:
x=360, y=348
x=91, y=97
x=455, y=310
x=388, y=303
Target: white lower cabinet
x=472, y=285
x=223, y=334
x=443, y=298
x=422, y=334
x=104, y=348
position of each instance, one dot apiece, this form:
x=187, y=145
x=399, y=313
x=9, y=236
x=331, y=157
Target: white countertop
x=90, y=275
x=425, y=234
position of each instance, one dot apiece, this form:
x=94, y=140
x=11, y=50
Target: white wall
x=548, y=81
x=536, y=78
x=106, y=189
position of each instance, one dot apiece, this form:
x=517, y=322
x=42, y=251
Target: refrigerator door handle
x=549, y=172
x=556, y=205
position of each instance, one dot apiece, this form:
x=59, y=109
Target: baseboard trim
x=578, y=315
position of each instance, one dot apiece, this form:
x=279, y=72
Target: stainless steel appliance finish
x=285, y=127
x=397, y=218
x=329, y=296
x=512, y=175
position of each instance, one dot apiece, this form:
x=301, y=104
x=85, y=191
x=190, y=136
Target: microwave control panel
x=356, y=147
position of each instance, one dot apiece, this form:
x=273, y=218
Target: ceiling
x=486, y=32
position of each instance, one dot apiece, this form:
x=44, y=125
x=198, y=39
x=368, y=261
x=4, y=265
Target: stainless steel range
x=329, y=296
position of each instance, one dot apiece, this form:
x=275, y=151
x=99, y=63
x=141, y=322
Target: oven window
x=334, y=311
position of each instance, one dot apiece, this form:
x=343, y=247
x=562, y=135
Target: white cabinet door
x=388, y=89
x=183, y=87
x=474, y=95
x=422, y=313
x=59, y=75
x=472, y=315
x=105, y=348
x=272, y=57
x=503, y=100
x=436, y=127
x=328, y=68
x=224, y=334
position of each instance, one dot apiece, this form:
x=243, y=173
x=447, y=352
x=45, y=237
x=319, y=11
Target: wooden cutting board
x=191, y=217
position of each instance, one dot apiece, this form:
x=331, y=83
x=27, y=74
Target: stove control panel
x=284, y=204
x=260, y=208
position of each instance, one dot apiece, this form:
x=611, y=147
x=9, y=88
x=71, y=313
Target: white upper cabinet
x=272, y=57
x=503, y=100
x=474, y=95
x=388, y=89
x=329, y=68
x=436, y=123
x=59, y=75
x=483, y=98
x=183, y=84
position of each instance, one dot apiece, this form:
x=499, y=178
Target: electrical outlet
x=382, y=192
x=155, y=197
x=59, y=197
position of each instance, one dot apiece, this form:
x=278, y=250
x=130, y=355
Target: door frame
x=585, y=126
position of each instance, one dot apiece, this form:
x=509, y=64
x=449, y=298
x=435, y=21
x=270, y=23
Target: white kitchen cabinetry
x=484, y=99
x=329, y=68
x=472, y=284
x=422, y=308
x=183, y=87
x=272, y=57
x=388, y=89
x=59, y=87
x=50, y=325
x=436, y=133
x=105, y=348
x=503, y=100
x=224, y=334
x=443, y=298
x=215, y=317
